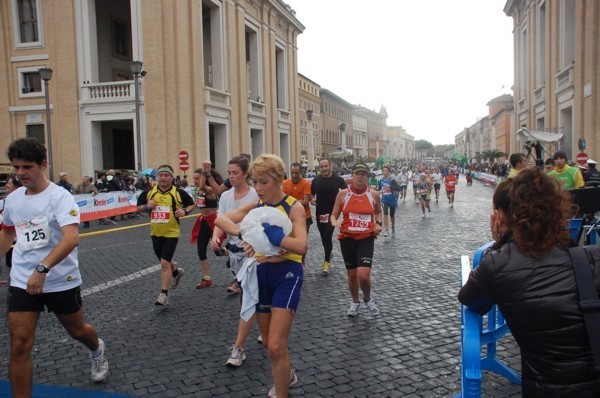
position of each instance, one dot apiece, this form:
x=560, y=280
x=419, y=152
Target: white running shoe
x=99, y=364
x=372, y=307
x=162, y=299
x=293, y=382
x=423, y=215
x=385, y=234
x=236, y=358
x=353, y=310
x=176, y=279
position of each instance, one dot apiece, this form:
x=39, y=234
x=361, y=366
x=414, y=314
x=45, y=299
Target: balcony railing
x=108, y=92
x=284, y=116
x=216, y=97
x=564, y=78
x=256, y=108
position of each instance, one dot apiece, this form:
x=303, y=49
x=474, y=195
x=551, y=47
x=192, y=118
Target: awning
x=341, y=154
x=541, y=136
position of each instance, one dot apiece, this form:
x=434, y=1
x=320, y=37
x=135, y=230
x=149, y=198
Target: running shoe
x=293, y=382
x=326, y=267
x=162, y=299
x=99, y=364
x=259, y=339
x=234, y=288
x=236, y=358
x=451, y=204
x=353, y=311
x=176, y=279
x=385, y=234
x=372, y=307
x=204, y=283
x=423, y=216
x=429, y=209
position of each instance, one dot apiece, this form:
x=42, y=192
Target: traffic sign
x=183, y=155
x=582, y=158
x=183, y=165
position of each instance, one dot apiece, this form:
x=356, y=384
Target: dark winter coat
x=539, y=301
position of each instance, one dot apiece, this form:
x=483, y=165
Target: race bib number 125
x=33, y=234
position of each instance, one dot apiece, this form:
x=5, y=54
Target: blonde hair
x=270, y=165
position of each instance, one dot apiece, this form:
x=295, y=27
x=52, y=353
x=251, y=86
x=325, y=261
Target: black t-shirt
x=326, y=190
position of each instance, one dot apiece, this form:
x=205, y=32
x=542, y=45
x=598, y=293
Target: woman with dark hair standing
x=207, y=201
x=529, y=274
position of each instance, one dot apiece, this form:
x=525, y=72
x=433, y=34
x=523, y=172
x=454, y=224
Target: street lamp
x=311, y=149
x=136, y=69
x=46, y=75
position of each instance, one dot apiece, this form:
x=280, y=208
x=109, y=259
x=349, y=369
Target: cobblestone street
x=411, y=350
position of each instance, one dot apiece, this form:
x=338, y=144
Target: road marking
x=119, y=281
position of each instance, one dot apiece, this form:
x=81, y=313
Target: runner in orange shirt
x=299, y=189
x=450, y=181
x=362, y=222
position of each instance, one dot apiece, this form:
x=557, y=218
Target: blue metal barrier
x=574, y=225
x=474, y=336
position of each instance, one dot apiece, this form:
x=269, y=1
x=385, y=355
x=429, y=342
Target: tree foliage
x=421, y=145
x=492, y=154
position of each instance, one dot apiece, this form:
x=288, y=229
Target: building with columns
x=500, y=123
x=221, y=79
x=557, y=78
x=309, y=100
x=401, y=145
x=336, y=119
x=376, y=126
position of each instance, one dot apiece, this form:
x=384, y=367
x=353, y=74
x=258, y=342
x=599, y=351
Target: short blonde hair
x=268, y=164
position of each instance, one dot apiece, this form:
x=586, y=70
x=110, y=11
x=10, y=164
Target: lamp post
x=311, y=149
x=136, y=69
x=46, y=75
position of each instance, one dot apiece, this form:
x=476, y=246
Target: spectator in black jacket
x=63, y=182
x=528, y=273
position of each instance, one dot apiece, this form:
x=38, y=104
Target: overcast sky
x=434, y=64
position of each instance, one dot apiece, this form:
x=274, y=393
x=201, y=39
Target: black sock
x=164, y=291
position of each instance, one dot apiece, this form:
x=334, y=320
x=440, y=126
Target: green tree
x=492, y=154
x=423, y=145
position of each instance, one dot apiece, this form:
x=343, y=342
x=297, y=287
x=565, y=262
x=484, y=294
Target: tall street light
x=311, y=148
x=46, y=75
x=136, y=69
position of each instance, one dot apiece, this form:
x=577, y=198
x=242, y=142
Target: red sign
x=582, y=158
x=183, y=165
x=183, y=155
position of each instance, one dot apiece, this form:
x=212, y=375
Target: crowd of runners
x=44, y=221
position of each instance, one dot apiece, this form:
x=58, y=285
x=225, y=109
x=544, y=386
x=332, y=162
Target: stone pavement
x=411, y=350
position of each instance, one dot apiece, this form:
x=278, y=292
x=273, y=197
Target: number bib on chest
x=359, y=222
x=160, y=214
x=201, y=201
x=324, y=218
x=33, y=234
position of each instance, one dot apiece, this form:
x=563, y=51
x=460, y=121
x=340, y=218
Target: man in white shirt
x=45, y=270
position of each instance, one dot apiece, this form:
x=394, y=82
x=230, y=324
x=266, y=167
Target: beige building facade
x=336, y=117
x=557, y=74
x=309, y=100
x=500, y=123
x=220, y=77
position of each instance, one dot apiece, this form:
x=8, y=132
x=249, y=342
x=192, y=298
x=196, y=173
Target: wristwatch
x=42, y=269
